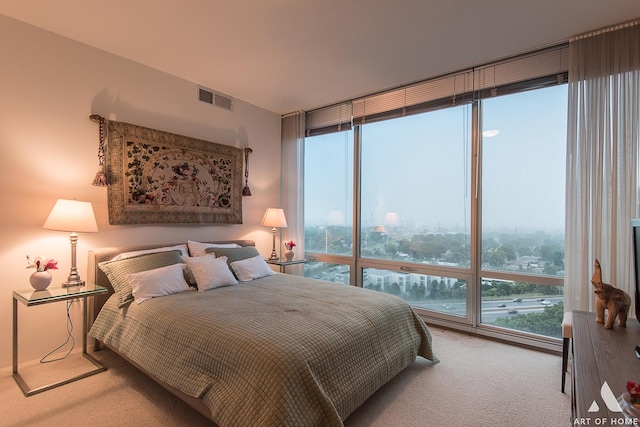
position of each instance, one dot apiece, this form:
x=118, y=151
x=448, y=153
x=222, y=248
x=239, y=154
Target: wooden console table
x=601, y=355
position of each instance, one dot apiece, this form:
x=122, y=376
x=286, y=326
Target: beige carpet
x=479, y=382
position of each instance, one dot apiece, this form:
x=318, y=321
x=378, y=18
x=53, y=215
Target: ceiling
x=290, y=55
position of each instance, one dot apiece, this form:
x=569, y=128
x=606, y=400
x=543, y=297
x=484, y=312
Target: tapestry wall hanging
x=159, y=177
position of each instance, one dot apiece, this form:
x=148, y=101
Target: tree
x=509, y=251
x=458, y=291
x=557, y=258
x=417, y=291
x=503, y=288
x=390, y=248
x=433, y=293
x=550, y=269
x=375, y=287
x=495, y=258
x=393, y=288
x=549, y=322
x=550, y=251
x=404, y=246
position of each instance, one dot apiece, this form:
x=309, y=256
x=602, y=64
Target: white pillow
x=210, y=272
x=198, y=249
x=181, y=248
x=157, y=282
x=188, y=275
x=251, y=268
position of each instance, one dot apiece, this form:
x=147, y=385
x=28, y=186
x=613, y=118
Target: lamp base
x=73, y=284
x=274, y=254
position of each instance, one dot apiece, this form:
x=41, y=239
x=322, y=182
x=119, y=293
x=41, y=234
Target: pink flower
x=42, y=264
x=51, y=265
x=290, y=244
x=634, y=392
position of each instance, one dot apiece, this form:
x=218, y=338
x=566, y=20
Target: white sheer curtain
x=292, y=183
x=602, y=160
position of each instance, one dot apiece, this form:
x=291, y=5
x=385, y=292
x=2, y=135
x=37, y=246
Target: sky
x=419, y=167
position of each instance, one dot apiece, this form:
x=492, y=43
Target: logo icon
x=608, y=398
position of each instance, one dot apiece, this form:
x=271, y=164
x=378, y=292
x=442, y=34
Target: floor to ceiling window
x=522, y=226
x=328, y=208
x=415, y=207
x=458, y=206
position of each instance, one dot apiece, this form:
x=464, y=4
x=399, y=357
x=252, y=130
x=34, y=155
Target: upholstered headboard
x=97, y=276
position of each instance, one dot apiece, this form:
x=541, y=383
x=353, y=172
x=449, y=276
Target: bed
x=277, y=350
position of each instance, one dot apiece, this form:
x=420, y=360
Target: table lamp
x=73, y=216
x=274, y=217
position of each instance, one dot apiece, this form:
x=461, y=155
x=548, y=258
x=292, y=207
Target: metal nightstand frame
x=45, y=297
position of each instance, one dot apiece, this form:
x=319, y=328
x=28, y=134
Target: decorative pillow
x=251, y=268
x=210, y=272
x=182, y=248
x=118, y=270
x=157, y=282
x=198, y=249
x=235, y=254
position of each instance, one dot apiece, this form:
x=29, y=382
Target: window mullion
x=474, y=297
x=356, y=277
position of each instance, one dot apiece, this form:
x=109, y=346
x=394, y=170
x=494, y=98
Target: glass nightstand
x=30, y=297
x=283, y=263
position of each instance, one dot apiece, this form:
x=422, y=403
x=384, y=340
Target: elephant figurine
x=614, y=300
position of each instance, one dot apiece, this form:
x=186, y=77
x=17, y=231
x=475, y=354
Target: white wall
x=49, y=86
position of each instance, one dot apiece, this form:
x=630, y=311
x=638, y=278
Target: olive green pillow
x=234, y=254
x=118, y=270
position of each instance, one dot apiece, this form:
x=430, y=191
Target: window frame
x=474, y=273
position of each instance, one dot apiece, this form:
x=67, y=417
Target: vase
x=40, y=280
x=630, y=411
x=288, y=254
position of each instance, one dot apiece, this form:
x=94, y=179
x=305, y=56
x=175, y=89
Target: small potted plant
x=288, y=254
x=42, y=276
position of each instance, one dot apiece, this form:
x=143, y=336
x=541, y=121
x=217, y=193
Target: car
x=545, y=302
x=517, y=300
x=540, y=299
x=512, y=311
x=448, y=306
x=502, y=305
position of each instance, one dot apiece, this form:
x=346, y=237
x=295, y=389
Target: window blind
x=334, y=118
x=523, y=72
x=433, y=94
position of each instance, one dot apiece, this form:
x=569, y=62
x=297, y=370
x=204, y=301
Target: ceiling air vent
x=205, y=95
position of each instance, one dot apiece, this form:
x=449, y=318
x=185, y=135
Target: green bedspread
x=281, y=350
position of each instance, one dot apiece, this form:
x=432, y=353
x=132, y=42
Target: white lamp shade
x=274, y=217
x=71, y=215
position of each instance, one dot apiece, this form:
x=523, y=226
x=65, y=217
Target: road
x=490, y=309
